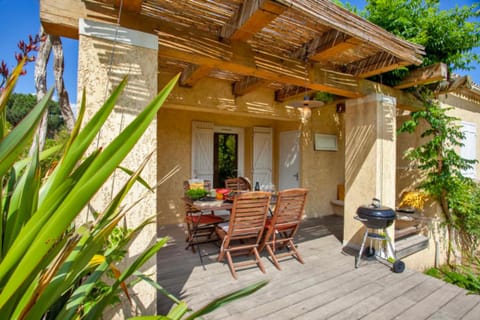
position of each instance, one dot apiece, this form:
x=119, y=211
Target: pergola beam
x=430, y=74
x=329, y=45
x=61, y=18
x=201, y=50
x=129, y=5
x=246, y=85
x=192, y=74
x=251, y=17
x=380, y=63
x=291, y=92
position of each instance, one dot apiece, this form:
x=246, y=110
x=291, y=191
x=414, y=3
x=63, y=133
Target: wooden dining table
x=209, y=205
x=220, y=205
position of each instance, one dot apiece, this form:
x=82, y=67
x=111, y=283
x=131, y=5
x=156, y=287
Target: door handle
x=295, y=175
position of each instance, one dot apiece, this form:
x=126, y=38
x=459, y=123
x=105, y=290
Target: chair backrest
x=238, y=184
x=289, y=208
x=248, y=215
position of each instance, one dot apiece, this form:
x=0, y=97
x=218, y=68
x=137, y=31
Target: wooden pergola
x=291, y=46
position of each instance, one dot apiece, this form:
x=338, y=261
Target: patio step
x=410, y=245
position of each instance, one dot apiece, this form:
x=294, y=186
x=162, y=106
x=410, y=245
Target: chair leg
x=259, y=261
x=230, y=264
x=190, y=238
x=297, y=255
x=274, y=258
x=221, y=256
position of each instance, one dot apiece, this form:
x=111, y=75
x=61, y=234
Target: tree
x=20, y=104
x=447, y=35
x=51, y=42
x=58, y=67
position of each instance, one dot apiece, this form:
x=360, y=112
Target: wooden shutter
x=202, y=150
x=262, y=156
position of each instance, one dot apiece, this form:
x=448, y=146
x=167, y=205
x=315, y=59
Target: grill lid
x=370, y=211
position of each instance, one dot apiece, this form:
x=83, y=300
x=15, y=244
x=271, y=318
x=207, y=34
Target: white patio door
x=289, y=166
x=202, y=150
x=262, y=156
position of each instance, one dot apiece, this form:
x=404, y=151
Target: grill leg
x=362, y=247
x=390, y=245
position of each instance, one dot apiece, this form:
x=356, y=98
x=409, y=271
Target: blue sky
x=20, y=18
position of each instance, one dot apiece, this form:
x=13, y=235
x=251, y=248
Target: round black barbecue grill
x=375, y=216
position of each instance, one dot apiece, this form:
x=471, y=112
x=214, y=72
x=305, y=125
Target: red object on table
x=222, y=193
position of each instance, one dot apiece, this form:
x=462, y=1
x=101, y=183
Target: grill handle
x=376, y=203
x=360, y=219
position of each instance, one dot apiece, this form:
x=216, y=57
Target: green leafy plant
x=461, y=276
x=42, y=256
x=196, y=194
x=51, y=268
x=441, y=168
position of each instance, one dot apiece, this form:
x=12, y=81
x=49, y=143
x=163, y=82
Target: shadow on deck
x=327, y=286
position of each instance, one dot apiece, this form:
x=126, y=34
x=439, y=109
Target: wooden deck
x=327, y=286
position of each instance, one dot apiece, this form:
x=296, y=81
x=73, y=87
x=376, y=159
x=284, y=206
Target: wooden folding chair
x=238, y=184
x=282, y=227
x=242, y=234
x=200, y=225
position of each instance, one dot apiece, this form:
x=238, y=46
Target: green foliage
x=461, y=276
x=324, y=96
x=464, y=204
x=441, y=168
x=227, y=157
x=20, y=104
x=447, y=35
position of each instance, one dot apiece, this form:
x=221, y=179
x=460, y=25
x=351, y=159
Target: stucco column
x=370, y=157
x=107, y=54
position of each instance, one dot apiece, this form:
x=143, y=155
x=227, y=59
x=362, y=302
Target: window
x=469, y=149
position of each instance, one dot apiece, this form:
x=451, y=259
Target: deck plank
x=432, y=304
x=473, y=313
x=394, y=286
x=327, y=286
x=458, y=306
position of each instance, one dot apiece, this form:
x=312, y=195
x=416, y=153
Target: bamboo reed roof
x=281, y=44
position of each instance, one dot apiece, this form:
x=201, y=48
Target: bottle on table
x=257, y=186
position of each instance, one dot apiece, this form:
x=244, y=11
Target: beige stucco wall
x=321, y=171
x=98, y=79
x=370, y=153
